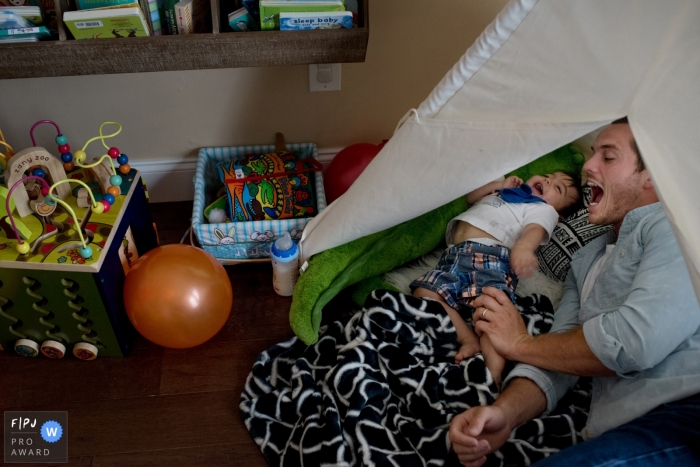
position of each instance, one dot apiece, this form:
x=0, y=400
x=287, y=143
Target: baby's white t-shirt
x=505, y=221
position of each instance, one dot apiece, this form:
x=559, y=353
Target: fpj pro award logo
x=36, y=437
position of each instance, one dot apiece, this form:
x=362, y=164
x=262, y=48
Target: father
x=629, y=318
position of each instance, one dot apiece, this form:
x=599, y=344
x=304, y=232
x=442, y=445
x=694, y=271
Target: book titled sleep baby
x=270, y=10
x=305, y=21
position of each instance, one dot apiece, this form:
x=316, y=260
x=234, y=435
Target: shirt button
x=622, y=254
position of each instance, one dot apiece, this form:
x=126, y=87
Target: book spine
x=90, y=4
x=270, y=14
x=146, y=14
x=184, y=19
x=308, y=21
x=170, y=16
x=165, y=28
x=155, y=17
x=147, y=24
x=49, y=7
x=268, y=19
x=23, y=31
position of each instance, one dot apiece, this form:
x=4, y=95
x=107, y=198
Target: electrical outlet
x=324, y=77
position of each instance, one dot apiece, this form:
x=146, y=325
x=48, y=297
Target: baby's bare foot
x=467, y=350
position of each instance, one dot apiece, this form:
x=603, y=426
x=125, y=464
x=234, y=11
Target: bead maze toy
x=64, y=254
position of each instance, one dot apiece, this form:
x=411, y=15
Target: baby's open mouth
x=538, y=188
x=596, y=193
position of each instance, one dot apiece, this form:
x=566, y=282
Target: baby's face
x=556, y=189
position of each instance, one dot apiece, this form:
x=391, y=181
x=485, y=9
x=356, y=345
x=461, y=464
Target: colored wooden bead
x=114, y=191
x=115, y=180
x=23, y=248
x=80, y=156
x=50, y=199
x=97, y=208
x=106, y=204
x=109, y=198
x=113, y=153
x=86, y=252
x=44, y=190
x=67, y=157
x=68, y=166
x=123, y=159
x=61, y=140
x=125, y=168
x=39, y=173
x=64, y=148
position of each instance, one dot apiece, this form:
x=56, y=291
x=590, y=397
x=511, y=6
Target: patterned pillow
x=569, y=235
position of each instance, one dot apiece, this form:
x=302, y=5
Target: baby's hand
x=512, y=182
x=523, y=262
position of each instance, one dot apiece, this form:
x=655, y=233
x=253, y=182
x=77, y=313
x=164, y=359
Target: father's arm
x=657, y=315
x=552, y=361
x=564, y=349
x=529, y=391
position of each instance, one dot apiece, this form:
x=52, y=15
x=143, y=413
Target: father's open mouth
x=596, y=193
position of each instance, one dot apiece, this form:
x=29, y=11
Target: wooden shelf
x=67, y=57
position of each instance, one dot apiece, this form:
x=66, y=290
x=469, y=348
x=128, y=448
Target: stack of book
x=103, y=19
x=22, y=24
x=291, y=15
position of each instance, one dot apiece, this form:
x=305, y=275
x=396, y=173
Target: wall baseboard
x=172, y=180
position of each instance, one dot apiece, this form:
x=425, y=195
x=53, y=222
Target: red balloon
x=346, y=166
x=177, y=296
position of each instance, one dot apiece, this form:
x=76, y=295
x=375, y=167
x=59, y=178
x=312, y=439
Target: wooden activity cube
x=54, y=294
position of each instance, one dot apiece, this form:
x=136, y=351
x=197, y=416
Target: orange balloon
x=177, y=296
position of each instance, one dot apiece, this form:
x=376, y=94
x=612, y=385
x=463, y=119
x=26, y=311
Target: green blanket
x=363, y=260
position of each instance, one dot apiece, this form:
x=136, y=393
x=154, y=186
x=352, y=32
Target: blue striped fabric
x=242, y=240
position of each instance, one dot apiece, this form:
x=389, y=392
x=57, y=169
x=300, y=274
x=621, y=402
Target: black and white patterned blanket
x=381, y=387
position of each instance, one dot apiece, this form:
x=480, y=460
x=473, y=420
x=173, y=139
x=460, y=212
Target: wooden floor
x=160, y=407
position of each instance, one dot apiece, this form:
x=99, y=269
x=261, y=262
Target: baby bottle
x=285, y=264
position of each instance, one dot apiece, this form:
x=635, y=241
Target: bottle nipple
x=285, y=242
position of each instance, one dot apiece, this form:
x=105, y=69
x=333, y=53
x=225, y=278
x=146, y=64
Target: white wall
x=168, y=115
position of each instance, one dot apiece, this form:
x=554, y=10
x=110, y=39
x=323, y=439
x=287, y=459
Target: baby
x=491, y=245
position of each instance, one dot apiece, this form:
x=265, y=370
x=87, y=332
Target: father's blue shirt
x=642, y=320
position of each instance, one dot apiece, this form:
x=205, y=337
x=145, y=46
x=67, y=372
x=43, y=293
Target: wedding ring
x=483, y=314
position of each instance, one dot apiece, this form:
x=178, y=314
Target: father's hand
x=477, y=432
x=496, y=316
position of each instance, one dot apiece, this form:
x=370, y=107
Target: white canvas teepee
x=544, y=73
